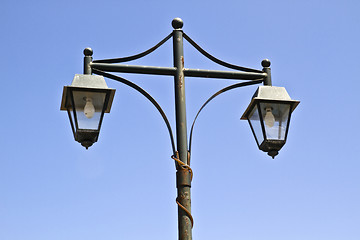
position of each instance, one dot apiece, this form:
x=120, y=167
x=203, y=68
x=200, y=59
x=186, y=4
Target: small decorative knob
x=265, y=63
x=88, y=52
x=273, y=153
x=177, y=23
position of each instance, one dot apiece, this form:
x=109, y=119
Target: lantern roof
x=89, y=81
x=270, y=94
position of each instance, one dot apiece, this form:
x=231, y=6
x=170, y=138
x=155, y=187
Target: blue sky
x=123, y=187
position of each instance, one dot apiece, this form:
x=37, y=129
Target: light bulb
x=89, y=108
x=269, y=117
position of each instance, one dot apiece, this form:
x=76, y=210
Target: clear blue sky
x=124, y=186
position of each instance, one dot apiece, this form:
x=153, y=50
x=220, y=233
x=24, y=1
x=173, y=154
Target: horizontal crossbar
x=171, y=71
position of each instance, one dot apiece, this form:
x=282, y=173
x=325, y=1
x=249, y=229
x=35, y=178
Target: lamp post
x=88, y=98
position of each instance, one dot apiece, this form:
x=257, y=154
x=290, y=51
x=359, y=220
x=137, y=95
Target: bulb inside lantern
x=89, y=108
x=269, y=117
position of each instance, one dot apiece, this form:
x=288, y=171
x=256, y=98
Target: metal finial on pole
x=177, y=23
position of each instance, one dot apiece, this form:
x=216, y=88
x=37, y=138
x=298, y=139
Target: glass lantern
x=269, y=115
x=86, y=101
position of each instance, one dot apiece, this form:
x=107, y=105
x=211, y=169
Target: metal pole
x=88, y=52
x=183, y=176
x=266, y=68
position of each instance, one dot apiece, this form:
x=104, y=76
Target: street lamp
x=88, y=98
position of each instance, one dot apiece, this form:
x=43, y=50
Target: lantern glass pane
x=275, y=117
x=254, y=120
x=89, y=107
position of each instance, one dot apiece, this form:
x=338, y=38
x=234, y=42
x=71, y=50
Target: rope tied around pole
x=182, y=165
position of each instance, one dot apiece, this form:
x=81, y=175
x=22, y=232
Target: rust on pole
x=182, y=176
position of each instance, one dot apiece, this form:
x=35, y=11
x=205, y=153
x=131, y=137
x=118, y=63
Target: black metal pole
x=266, y=68
x=88, y=52
x=183, y=176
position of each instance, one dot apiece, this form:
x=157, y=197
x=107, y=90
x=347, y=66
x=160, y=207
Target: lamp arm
x=237, y=85
x=216, y=60
x=147, y=95
x=137, y=56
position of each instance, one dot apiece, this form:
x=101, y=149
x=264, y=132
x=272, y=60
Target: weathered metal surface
x=183, y=177
x=184, y=223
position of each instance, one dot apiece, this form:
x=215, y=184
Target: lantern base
x=86, y=137
x=86, y=144
x=272, y=147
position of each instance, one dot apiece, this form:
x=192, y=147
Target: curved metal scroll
x=148, y=96
x=137, y=56
x=218, y=61
x=237, y=85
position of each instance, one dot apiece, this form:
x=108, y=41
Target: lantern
x=269, y=115
x=86, y=101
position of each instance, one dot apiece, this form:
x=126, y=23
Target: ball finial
x=265, y=63
x=88, y=52
x=177, y=23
